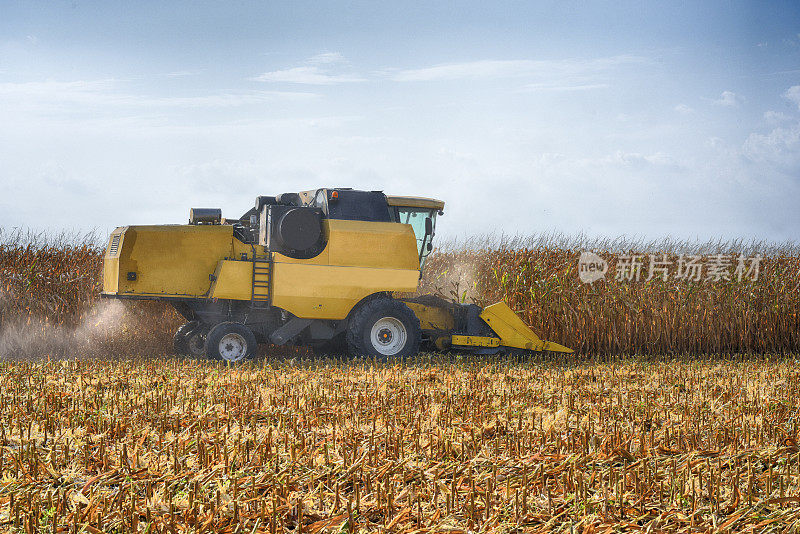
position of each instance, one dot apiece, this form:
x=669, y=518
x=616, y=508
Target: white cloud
x=484, y=69
x=106, y=93
x=793, y=95
x=310, y=75
x=562, y=87
x=728, y=99
x=222, y=100
x=468, y=70
x=684, y=109
x=316, y=70
x=556, y=75
x=183, y=73
x=637, y=160
x=780, y=148
x=775, y=117
x=327, y=58
x=50, y=88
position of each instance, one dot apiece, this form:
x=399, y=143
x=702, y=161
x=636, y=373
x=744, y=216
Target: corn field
x=49, y=287
x=435, y=445
x=538, y=278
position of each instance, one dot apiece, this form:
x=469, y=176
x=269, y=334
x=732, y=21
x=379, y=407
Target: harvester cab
x=327, y=268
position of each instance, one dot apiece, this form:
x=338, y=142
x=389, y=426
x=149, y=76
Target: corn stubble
x=430, y=446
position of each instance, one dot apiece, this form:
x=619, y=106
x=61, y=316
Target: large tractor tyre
x=384, y=328
x=231, y=342
x=189, y=340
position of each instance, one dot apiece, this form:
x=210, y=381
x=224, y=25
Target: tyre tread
x=180, y=339
x=388, y=306
x=219, y=330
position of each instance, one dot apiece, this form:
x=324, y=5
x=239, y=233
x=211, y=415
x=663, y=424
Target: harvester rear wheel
x=384, y=328
x=231, y=342
x=189, y=340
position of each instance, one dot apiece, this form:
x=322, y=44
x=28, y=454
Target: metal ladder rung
x=261, y=280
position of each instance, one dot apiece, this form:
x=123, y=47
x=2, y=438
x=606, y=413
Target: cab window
x=416, y=218
x=319, y=201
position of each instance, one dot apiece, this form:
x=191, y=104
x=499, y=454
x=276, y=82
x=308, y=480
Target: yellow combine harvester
x=324, y=268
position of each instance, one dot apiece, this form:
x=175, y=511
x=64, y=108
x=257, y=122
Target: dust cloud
x=457, y=282
x=37, y=339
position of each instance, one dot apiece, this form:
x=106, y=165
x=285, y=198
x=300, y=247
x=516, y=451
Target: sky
x=642, y=119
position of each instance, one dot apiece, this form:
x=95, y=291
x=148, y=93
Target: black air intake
x=293, y=231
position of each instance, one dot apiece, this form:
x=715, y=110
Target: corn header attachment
x=467, y=327
x=322, y=268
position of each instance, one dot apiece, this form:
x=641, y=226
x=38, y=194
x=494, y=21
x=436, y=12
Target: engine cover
x=299, y=228
x=291, y=230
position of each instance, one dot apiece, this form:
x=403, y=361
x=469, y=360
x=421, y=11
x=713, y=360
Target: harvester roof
x=416, y=202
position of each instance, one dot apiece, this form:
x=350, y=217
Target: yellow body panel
x=111, y=275
x=234, y=280
x=330, y=292
x=474, y=341
x=170, y=260
x=111, y=260
x=513, y=332
x=360, y=258
x=244, y=251
x=364, y=244
x=431, y=317
x=383, y=245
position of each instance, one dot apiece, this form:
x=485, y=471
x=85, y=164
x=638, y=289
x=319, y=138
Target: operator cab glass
x=416, y=218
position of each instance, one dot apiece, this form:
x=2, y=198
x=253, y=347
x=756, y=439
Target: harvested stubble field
x=433, y=445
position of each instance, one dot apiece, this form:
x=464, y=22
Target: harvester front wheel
x=231, y=342
x=189, y=340
x=384, y=328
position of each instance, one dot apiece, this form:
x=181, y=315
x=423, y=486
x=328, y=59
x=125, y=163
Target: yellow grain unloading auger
x=324, y=268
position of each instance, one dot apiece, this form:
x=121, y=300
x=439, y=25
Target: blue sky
x=622, y=118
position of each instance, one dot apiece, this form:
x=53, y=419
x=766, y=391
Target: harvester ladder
x=262, y=279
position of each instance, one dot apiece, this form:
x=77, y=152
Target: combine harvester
x=325, y=268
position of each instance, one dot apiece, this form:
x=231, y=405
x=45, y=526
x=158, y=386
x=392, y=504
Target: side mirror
x=428, y=226
x=430, y=246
